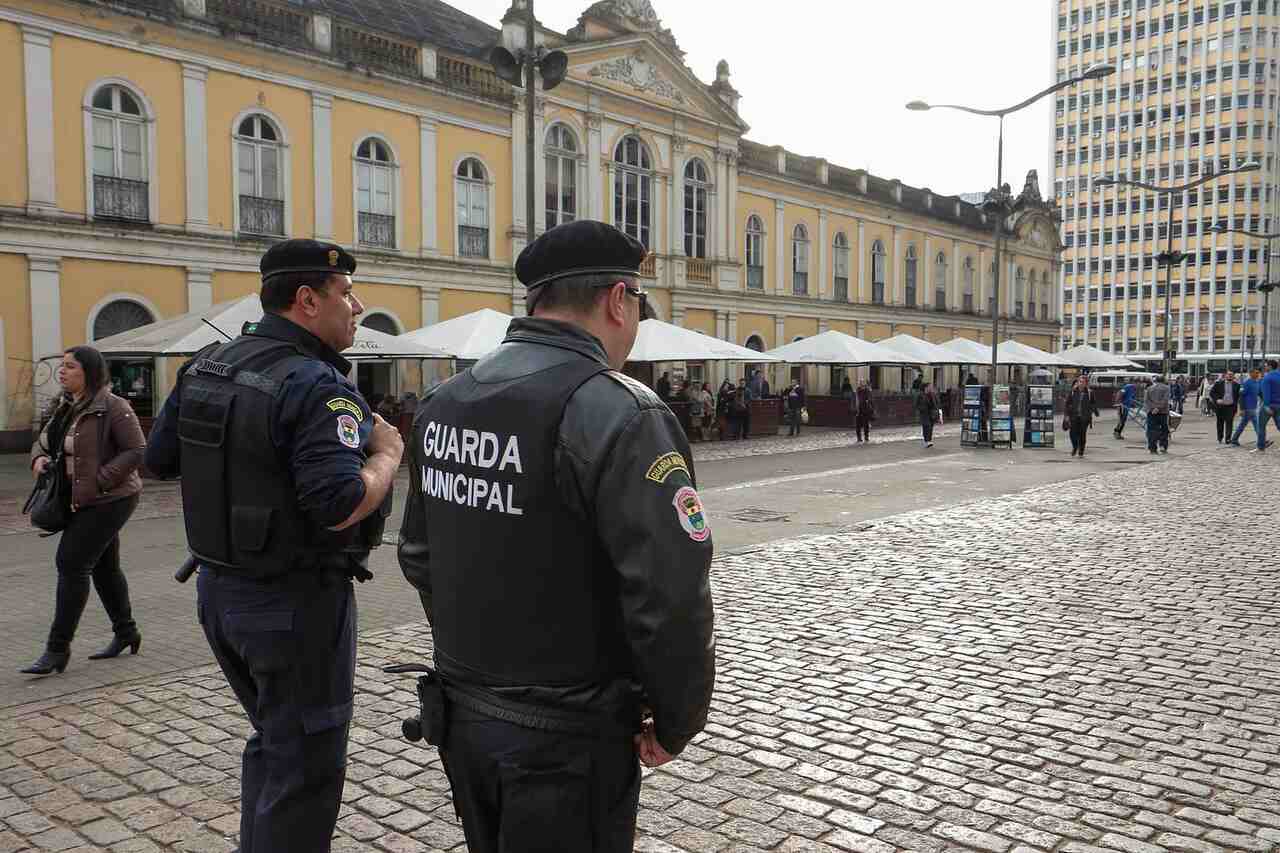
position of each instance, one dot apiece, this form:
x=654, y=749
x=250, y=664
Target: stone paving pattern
x=1076, y=668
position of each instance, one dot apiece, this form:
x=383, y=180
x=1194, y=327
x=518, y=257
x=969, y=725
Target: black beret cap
x=583, y=247
x=303, y=255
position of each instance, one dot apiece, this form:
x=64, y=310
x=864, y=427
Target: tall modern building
x=1194, y=93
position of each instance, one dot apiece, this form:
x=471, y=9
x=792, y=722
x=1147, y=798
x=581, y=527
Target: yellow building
x=162, y=145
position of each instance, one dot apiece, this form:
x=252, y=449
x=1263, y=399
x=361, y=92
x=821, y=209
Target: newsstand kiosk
x=1040, y=426
x=974, y=429
x=1001, y=417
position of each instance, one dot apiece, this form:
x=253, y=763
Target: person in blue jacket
x=1177, y=393
x=1270, y=402
x=1250, y=397
x=1128, y=396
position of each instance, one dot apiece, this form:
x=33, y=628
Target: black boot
x=48, y=662
x=118, y=644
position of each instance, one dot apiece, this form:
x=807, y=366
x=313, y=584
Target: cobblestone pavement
x=1075, y=668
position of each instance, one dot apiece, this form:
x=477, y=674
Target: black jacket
x=1081, y=406
x=614, y=438
x=1219, y=390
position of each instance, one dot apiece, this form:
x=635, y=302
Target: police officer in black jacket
x=562, y=554
x=286, y=484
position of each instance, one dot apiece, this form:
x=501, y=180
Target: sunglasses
x=646, y=313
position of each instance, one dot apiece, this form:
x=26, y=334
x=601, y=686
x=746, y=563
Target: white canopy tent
x=921, y=351
x=468, y=337
x=971, y=352
x=1016, y=353
x=836, y=347
x=659, y=341
x=1096, y=359
x=189, y=333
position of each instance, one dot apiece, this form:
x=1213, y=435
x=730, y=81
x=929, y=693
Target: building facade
x=1194, y=93
x=162, y=145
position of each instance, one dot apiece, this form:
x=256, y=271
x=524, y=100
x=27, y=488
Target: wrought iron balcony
x=120, y=198
x=755, y=278
x=842, y=289
x=261, y=215
x=377, y=229
x=473, y=242
x=698, y=269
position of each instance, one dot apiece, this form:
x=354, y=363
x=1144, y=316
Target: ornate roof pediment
x=633, y=71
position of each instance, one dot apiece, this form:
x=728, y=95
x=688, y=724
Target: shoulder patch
x=342, y=404
x=666, y=465
x=643, y=394
x=691, y=515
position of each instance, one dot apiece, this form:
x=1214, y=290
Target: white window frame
x=799, y=257
x=489, y=211
x=877, y=251
x=642, y=175
x=566, y=160
x=968, y=286
x=1019, y=294
x=754, y=248
x=840, y=258
x=940, y=282
x=396, y=195
x=911, y=273
x=285, y=166
x=147, y=119
x=701, y=189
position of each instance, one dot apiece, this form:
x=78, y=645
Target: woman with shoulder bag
x=101, y=445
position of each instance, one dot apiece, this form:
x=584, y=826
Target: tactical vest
x=523, y=591
x=238, y=494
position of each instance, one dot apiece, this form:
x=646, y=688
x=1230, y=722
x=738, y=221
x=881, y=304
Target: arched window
x=119, y=316
x=375, y=188
x=909, y=291
x=695, y=209
x=800, y=261
x=840, y=267
x=471, y=198
x=260, y=170
x=1044, y=295
x=562, y=175
x=877, y=272
x=755, y=252
x=633, y=189
x=755, y=342
x=120, y=187
x=1031, y=296
x=968, y=285
x=1019, y=291
x=940, y=282
x=380, y=322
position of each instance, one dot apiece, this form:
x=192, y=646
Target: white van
x=1118, y=378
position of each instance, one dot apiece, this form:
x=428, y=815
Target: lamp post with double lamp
x=998, y=200
x=1171, y=257
x=1266, y=287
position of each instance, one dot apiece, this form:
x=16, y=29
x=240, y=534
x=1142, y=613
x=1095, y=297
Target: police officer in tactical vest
x=561, y=552
x=286, y=484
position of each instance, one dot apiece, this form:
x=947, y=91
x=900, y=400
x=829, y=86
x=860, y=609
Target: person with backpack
x=795, y=408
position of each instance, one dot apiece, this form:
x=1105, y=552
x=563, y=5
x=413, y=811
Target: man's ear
x=616, y=303
x=306, y=299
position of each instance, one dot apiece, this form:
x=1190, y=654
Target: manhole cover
x=755, y=515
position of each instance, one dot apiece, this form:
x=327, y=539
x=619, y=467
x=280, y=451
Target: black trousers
x=1079, y=435
x=90, y=549
x=1226, y=421
x=521, y=790
x=288, y=650
x=1158, y=431
x=926, y=427
x=1124, y=417
x=862, y=423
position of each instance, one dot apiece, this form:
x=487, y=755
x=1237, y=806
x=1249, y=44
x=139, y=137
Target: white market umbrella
x=835, y=347
x=920, y=350
x=189, y=333
x=971, y=352
x=469, y=337
x=1014, y=352
x=659, y=341
x=1094, y=358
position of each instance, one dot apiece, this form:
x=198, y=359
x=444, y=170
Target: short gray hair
x=576, y=294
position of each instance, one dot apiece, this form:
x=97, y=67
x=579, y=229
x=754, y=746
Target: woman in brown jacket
x=102, y=445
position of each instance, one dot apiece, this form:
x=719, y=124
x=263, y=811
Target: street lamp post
x=999, y=198
x=1266, y=287
x=1170, y=256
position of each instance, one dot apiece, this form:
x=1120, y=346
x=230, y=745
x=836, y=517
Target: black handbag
x=49, y=503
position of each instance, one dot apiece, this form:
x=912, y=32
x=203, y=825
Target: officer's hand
x=385, y=438
x=37, y=468
x=652, y=753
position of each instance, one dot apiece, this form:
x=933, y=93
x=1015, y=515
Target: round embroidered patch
x=691, y=515
x=348, y=431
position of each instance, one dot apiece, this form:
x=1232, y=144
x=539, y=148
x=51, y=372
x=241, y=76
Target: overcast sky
x=830, y=78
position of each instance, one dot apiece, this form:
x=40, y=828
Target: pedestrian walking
x=928, y=410
x=1128, y=397
x=594, y=534
x=1250, y=405
x=795, y=407
x=708, y=410
x=1270, y=409
x=95, y=436
x=1081, y=410
x=864, y=411
x=742, y=397
x=286, y=484
x=1157, y=403
x=1225, y=395
x=1177, y=393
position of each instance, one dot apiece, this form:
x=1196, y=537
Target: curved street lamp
x=998, y=199
x=1169, y=257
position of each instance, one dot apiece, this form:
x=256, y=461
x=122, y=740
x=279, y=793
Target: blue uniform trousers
x=522, y=790
x=287, y=648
